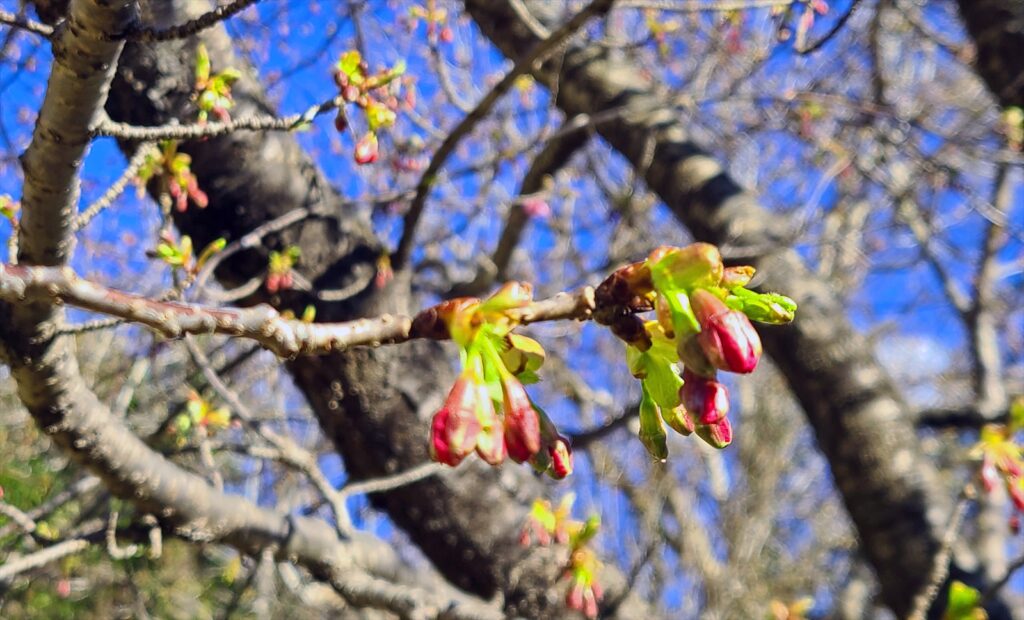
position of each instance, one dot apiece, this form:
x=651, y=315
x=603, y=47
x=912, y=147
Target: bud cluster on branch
x=702, y=325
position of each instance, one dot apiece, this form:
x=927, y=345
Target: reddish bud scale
x=561, y=458
x=522, y=425
x=1016, y=494
x=718, y=435
x=726, y=337
x=706, y=399
x=455, y=427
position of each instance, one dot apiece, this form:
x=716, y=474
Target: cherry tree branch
x=253, y=122
x=17, y=21
x=262, y=323
x=540, y=52
x=191, y=27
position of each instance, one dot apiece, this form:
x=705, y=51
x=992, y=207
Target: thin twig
x=390, y=483
x=538, y=54
x=940, y=564
x=262, y=323
x=19, y=518
x=191, y=27
x=17, y=21
x=292, y=122
x=116, y=188
x=14, y=567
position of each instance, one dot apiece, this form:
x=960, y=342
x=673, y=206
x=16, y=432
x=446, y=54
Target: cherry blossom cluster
x=488, y=409
x=702, y=325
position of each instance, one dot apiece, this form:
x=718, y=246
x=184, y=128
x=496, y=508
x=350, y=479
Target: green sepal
x=652, y=431
x=769, y=308
x=663, y=383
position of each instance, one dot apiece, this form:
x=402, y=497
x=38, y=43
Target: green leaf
x=1017, y=414
x=349, y=65
x=652, y=431
x=964, y=603
x=202, y=64
x=762, y=307
x=663, y=383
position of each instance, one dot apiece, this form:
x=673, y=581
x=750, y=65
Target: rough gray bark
x=862, y=425
x=997, y=27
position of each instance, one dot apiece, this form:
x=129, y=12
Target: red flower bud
x=366, y=149
x=989, y=475
x=705, y=399
x=727, y=337
x=718, y=435
x=490, y=443
x=1016, y=494
x=340, y=122
x=522, y=425
x=455, y=427
x=561, y=458
x=349, y=93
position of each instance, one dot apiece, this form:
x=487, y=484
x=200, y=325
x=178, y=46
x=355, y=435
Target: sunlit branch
x=543, y=50
x=191, y=27
x=116, y=188
x=16, y=21
x=292, y=122
x=285, y=337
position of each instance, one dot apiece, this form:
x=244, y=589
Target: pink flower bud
x=1016, y=494
x=705, y=399
x=561, y=458
x=727, y=337
x=490, y=443
x=522, y=426
x=455, y=427
x=718, y=435
x=366, y=149
x=989, y=475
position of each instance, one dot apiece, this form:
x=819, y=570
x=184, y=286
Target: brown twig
x=538, y=54
x=285, y=337
x=191, y=27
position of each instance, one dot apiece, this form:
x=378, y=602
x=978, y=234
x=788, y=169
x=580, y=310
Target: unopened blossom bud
x=989, y=475
x=522, y=425
x=737, y=276
x=705, y=399
x=561, y=458
x=693, y=357
x=1016, y=493
x=678, y=419
x=490, y=443
x=455, y=427
x=726, y=336
x=367, y=149
x=718, y=435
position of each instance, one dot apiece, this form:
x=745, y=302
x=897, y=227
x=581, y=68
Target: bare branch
x=17, y=21
x=12, y=568
x=191, y=27
x=116, y=188
x=285, y=337
x=292, y=122
x=940, y=563
x=538, y=54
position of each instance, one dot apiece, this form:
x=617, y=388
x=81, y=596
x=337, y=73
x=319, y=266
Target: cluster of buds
x=702, y=326
x=436, y=19
x=200, y=414
x=1002, y=458
x=488, y=410
x=279, y=269
x=175, y=172
x=369, y=93
x=9, y=209
x=782, y=14
x=545, y=525
x=178, y=253
x=213, y=90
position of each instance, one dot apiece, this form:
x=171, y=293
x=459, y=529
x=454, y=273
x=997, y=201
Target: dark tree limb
x=861, y=422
